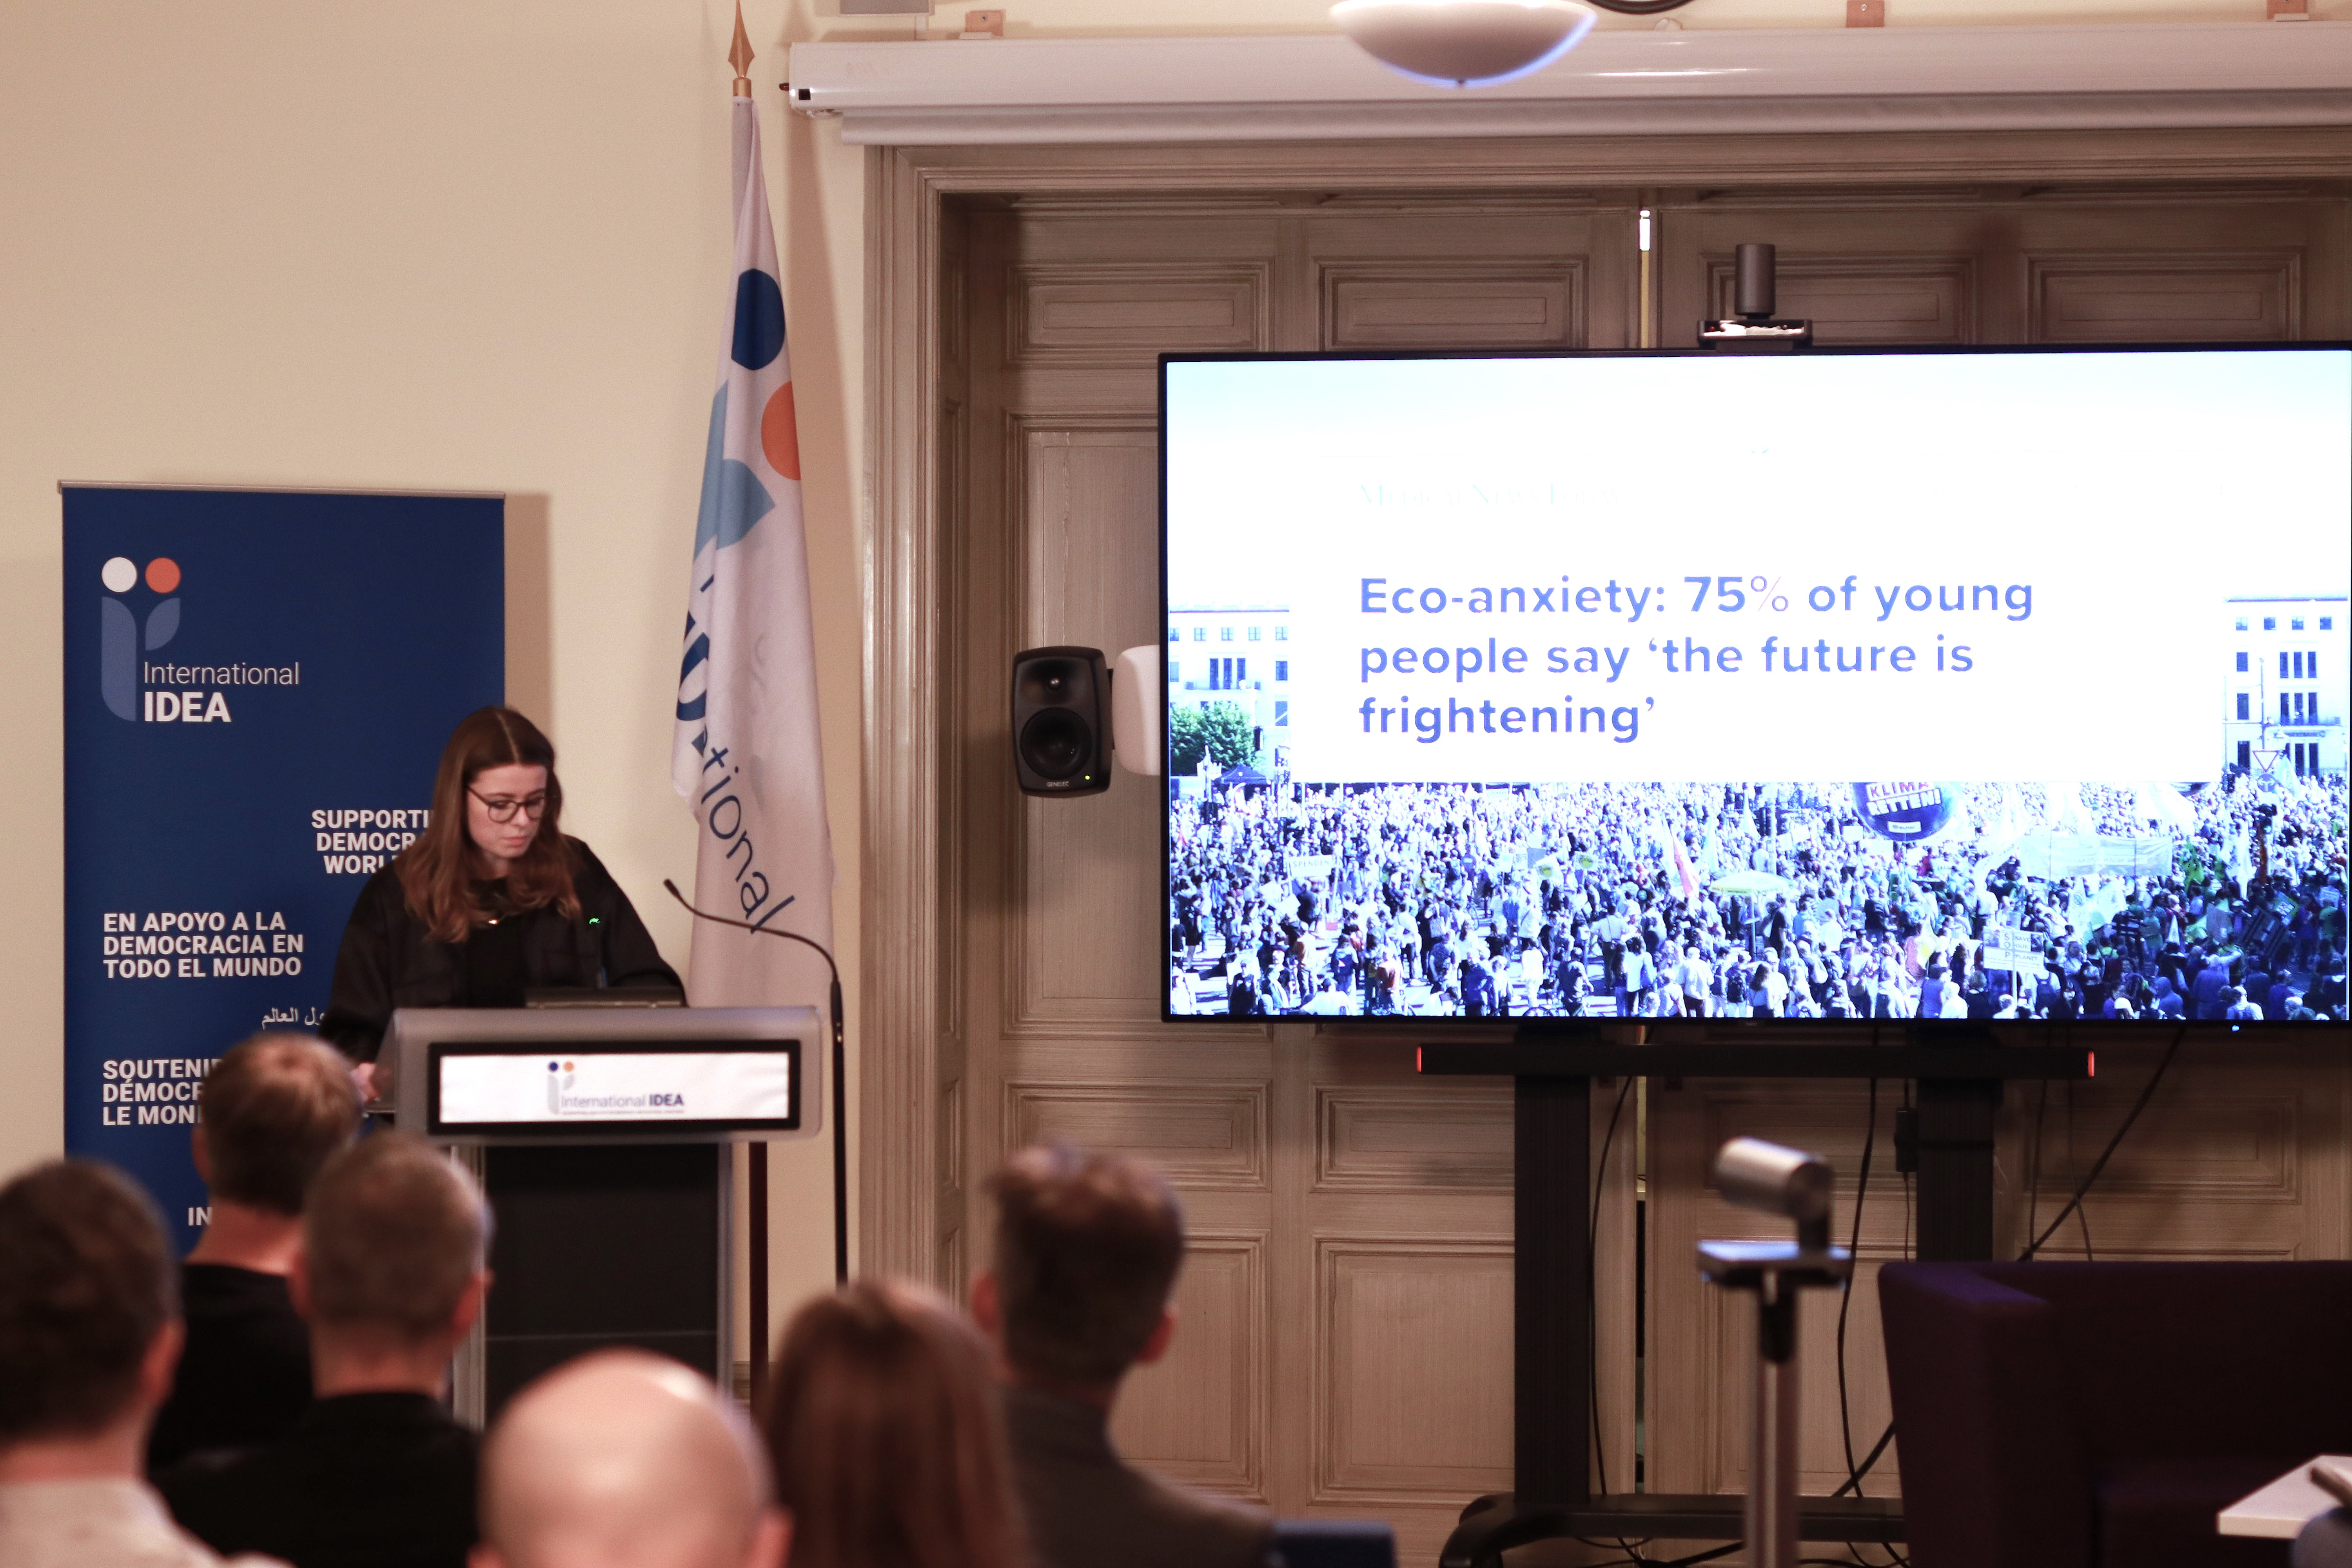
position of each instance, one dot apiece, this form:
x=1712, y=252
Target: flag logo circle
x=119, y=575
x=162, y=574
x=780, y=436
x=759, y=320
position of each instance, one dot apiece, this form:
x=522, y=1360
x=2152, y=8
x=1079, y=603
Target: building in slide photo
x=2286, y=682
x=1233, y=653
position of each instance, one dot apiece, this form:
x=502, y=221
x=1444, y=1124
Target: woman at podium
x=491, y=901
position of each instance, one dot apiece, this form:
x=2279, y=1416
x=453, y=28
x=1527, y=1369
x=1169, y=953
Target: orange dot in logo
x=162, y=573
x=567, y=1067
x=780, y=436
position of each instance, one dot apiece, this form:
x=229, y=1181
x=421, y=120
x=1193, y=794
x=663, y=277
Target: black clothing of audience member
x=244, y=1377
x=364, y=1480
x=274, y=1110
x=390, y=1278
x=1086, y=1506
x=389, y=959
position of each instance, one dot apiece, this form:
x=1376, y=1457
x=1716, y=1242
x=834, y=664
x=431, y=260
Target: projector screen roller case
x=1990, y=685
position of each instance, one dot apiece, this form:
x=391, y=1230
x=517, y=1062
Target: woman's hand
x=364, y=1078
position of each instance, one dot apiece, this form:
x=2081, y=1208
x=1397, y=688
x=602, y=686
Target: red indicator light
x=1416, y=1058
x=2092, y=1057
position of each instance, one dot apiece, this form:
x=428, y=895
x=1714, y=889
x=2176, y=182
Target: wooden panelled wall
x=1345, y=1347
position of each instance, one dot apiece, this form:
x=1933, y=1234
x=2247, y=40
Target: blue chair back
x=1334, y=1543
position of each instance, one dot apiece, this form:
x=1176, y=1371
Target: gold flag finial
x=740, y=57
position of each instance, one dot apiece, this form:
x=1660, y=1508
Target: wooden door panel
x=1083, y=929
x=1118, y=312
x=1198, y=1134
x=1452, y=304
x=1413, y=1378
x=1199, y=1415
x=2091, y=297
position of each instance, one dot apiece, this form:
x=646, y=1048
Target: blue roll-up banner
x=259, y=685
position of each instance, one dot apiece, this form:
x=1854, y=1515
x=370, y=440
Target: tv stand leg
x=1552, y=1290
x=1956, y=1168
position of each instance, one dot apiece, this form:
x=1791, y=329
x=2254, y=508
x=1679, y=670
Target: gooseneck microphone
x=840, y=1135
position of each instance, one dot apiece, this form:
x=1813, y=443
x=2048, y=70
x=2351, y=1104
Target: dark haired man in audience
x=89, y=1330
x=1087, y=1246
x=390, y=1278
x=271, y=1113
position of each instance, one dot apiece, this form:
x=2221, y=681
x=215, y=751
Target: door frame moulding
x=912, y=856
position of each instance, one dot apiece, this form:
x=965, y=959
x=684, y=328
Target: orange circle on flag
x=162, y=573
x=780, y=436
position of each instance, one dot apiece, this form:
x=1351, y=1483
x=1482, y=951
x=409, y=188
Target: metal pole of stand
x=1772, y=1513
x=1759, y=1176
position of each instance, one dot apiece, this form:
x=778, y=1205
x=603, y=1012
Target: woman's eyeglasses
x=503, y=807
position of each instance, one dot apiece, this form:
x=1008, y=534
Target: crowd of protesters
x=1737, y=902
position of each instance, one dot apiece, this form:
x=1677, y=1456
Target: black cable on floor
x=2075, y=1203
x=1852, y=1485
x=1593, y=1293
x=1845, y=1297
x=1592, y=1324
x=2033, y=1161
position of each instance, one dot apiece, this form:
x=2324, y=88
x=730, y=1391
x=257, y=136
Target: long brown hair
x=437, y=872
x=887, y=1442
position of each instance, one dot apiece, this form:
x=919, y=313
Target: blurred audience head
x=272, y=1112
x=394, y=1240
x=1087, y=1246
x=883, y=1425
x=624, y=1460
x=88, y=1309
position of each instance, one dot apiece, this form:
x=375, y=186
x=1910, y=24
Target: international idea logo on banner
x=259, y=685
x=746, y=750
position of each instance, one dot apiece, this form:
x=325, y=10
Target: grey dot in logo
x=118, y=575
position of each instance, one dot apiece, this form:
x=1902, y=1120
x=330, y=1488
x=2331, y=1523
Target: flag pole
x=740, y=56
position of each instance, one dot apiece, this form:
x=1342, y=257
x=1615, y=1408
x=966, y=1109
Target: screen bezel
x=1673, y=1028
x=606, y=1131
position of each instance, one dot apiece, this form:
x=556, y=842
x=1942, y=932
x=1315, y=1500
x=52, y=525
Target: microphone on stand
x=760, y=1151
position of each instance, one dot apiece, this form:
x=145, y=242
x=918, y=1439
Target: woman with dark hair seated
x=491, y=900
x=885, y=1430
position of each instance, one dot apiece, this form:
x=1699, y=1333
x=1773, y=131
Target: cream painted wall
x=448, y=244
x=470, y=244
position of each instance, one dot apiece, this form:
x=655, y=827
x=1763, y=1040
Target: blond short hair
x=272, y=1112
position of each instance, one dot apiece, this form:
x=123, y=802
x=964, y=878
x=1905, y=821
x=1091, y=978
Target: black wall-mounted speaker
x=1061, y=721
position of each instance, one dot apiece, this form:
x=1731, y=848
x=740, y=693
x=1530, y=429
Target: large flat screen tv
x=1843, y=685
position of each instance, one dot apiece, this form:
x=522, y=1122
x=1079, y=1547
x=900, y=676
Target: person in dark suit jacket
x=375, y=1475
x=1087, y=1249
x=272, y=1111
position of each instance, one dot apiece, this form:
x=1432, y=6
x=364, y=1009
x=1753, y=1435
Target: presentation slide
x=522, y=1090
x=1526, y=661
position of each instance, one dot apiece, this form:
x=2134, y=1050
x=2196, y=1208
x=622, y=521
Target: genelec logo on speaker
x=133, y=624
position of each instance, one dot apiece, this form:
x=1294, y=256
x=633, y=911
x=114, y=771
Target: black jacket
x=365, y=1480
x=245, y=1374
x=389, y=960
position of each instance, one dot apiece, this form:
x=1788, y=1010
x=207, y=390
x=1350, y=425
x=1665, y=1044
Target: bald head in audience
x=623, y=1457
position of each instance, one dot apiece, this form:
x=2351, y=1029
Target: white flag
x=746, y=752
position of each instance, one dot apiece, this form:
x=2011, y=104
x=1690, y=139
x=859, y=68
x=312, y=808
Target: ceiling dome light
x=1465, y=43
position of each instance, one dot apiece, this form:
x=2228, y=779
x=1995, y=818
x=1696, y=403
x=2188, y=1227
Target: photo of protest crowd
x=2222, y=902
